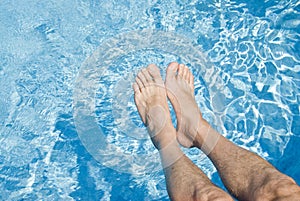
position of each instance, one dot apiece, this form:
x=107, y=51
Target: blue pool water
x=69, y=128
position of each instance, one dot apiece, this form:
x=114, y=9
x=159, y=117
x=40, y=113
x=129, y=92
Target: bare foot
x=151, y=101
x=180, y=91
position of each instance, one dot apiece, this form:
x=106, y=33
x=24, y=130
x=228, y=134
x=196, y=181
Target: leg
x=246, y=175
x=184, y=180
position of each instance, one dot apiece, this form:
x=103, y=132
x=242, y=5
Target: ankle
x=170, y=153
x=164, y=137
x=206, y=137
x=197, y=131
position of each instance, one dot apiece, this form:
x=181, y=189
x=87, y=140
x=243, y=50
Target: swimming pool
x=69, y=129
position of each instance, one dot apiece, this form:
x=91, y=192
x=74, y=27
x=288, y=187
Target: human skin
x=246, y=175
x=185, y=181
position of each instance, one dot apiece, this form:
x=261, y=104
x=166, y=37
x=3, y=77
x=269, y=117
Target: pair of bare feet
x=246, y=175
x=151, y=94
x=185, y=181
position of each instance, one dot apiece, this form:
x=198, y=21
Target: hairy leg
x=246, y=175
x=184, y=180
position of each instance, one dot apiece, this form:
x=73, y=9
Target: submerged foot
x=180, y=90
x=151, y=101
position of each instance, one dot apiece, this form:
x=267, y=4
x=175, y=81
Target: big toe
x=172, y=70
x=155, y=73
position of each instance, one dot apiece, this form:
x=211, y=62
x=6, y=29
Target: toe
x=147, y=75
x=185, y=73
x=181, y=70
x=188, y=76
x=154, y=72
x=139, y=83
x=136, y=88
x=142, y=78
x=191, y=79
x=172, y=70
